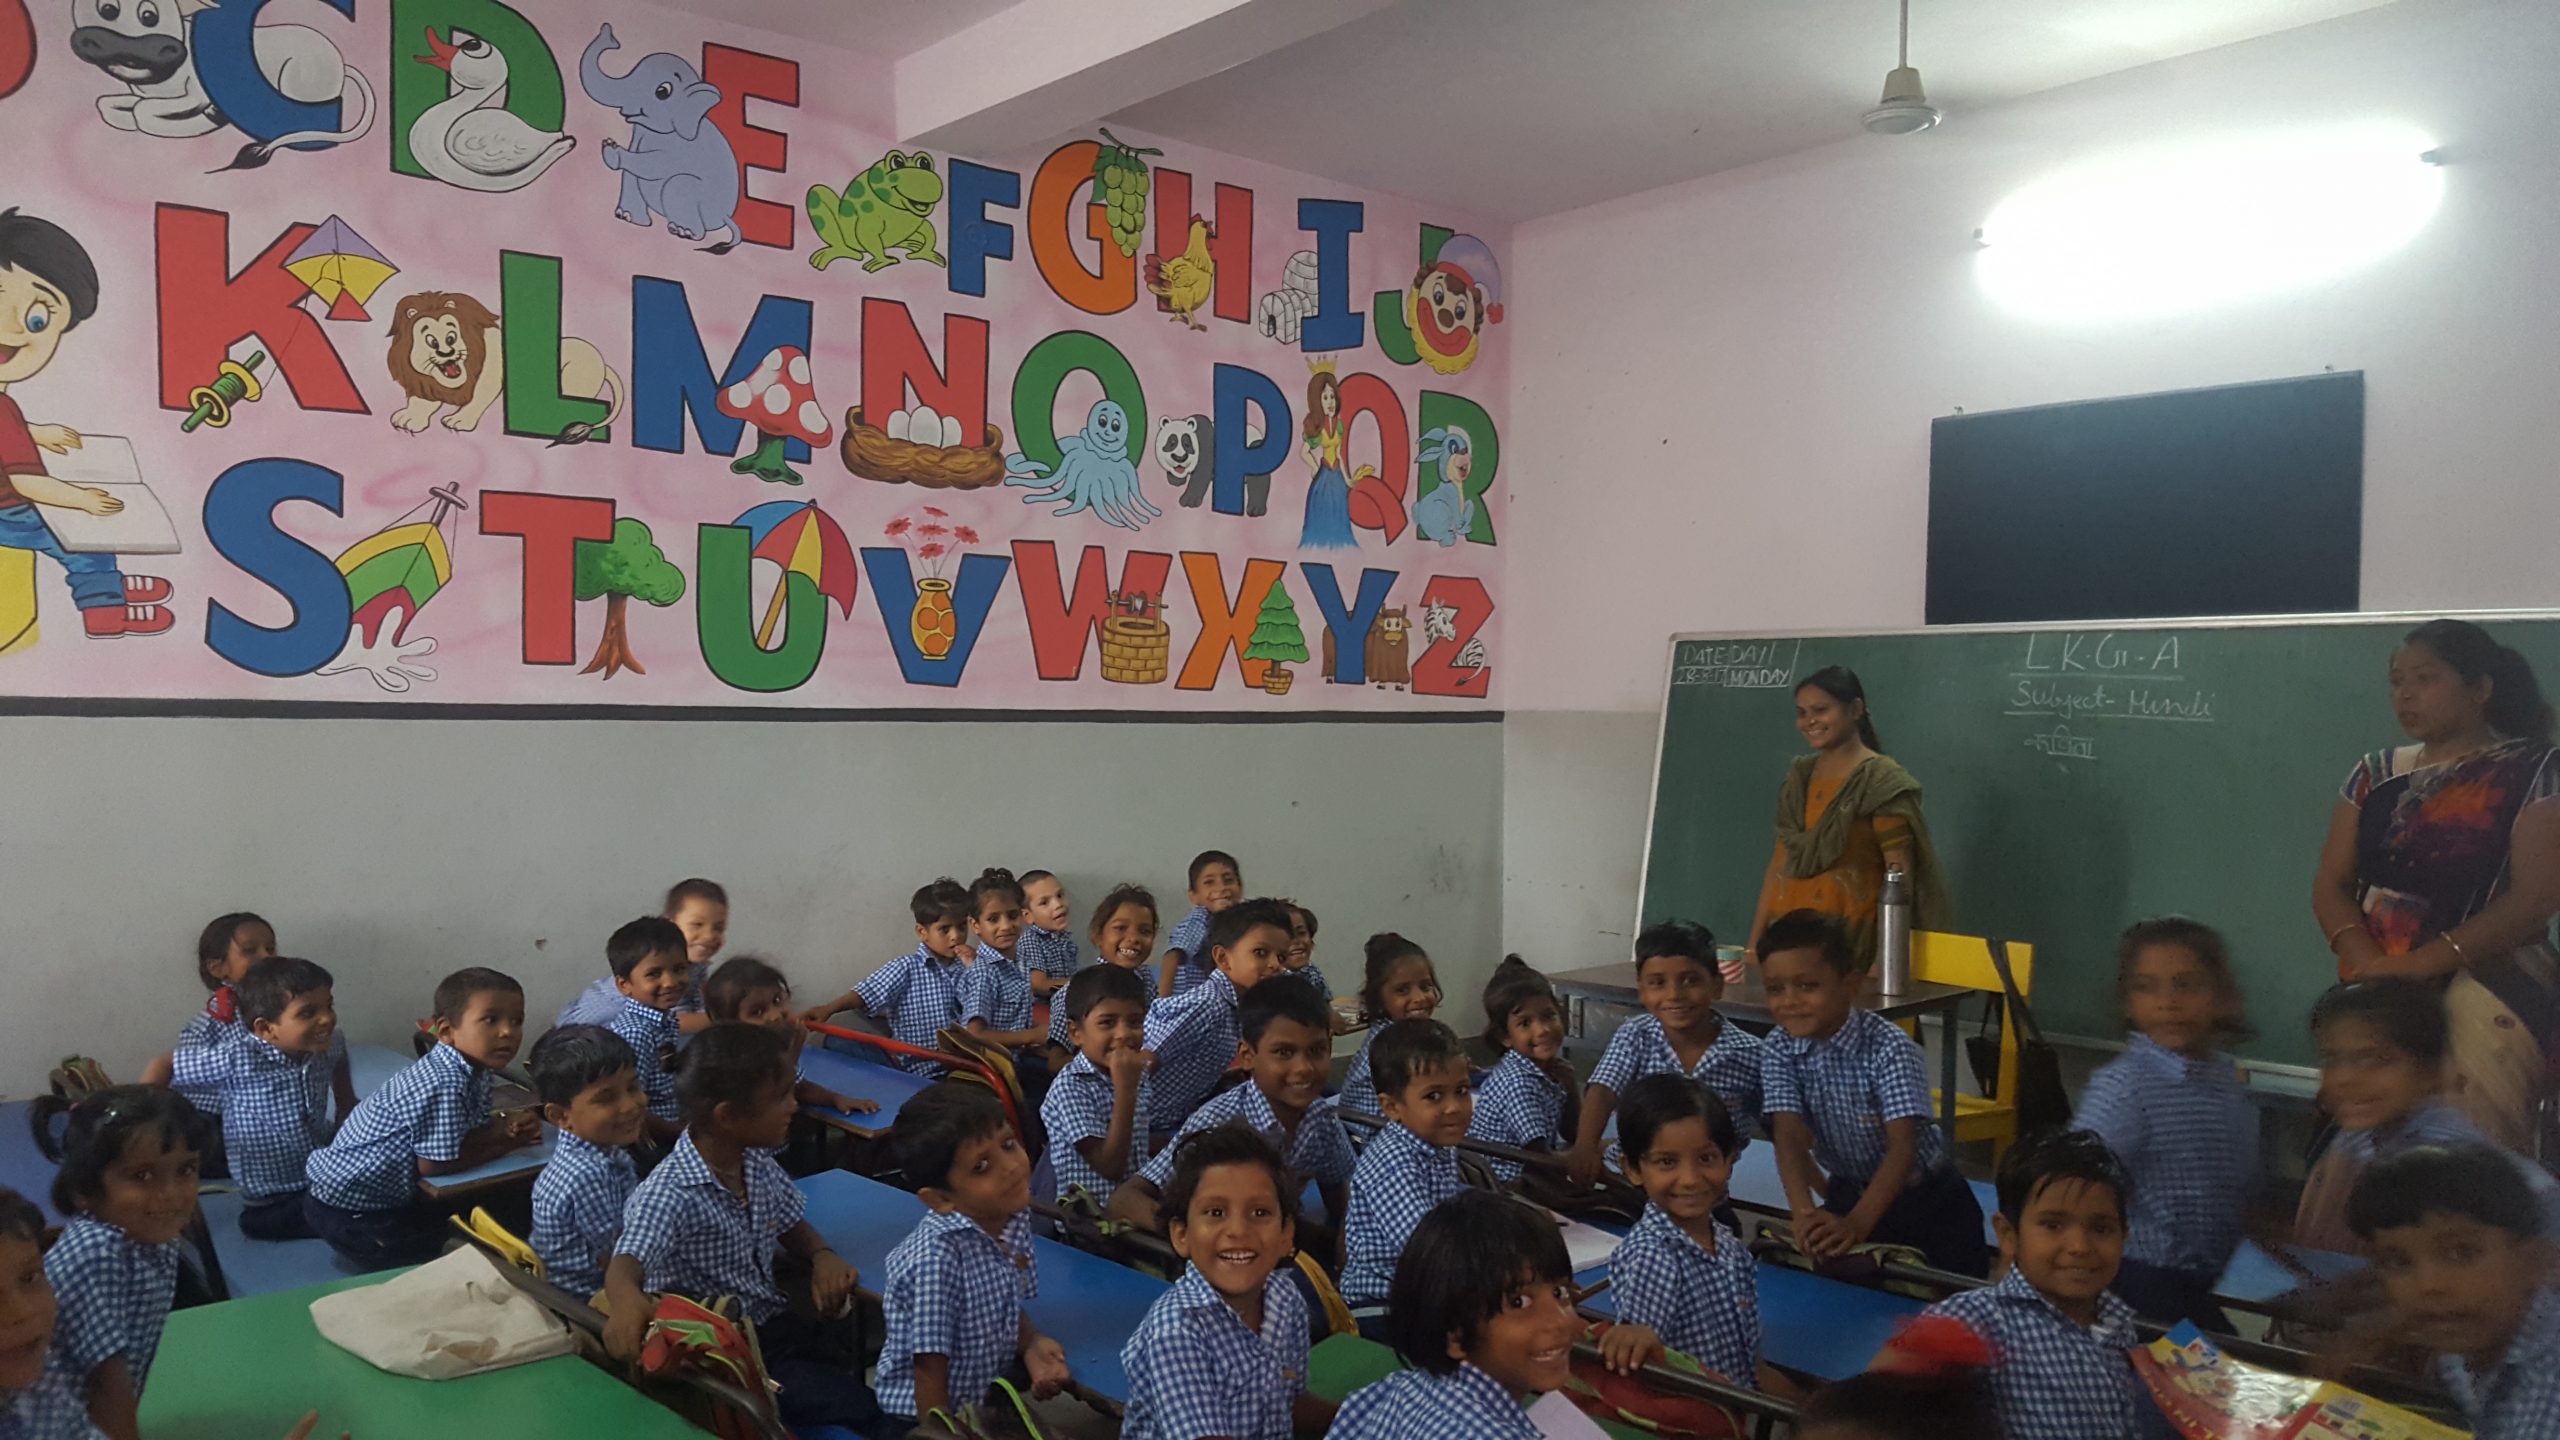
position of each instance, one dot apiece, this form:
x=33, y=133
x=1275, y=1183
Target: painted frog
x=887, y=207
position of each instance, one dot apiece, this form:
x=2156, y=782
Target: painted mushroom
x=782, y=405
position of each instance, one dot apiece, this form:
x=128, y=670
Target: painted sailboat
x=398, y=569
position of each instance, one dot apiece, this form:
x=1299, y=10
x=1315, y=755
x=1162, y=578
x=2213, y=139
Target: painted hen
x=1186, y=281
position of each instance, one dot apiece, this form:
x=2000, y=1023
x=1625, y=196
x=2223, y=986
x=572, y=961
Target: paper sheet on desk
x=1557, y=1419
x=1588, y=1246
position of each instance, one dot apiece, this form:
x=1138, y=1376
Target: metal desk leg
x=1948, y=1012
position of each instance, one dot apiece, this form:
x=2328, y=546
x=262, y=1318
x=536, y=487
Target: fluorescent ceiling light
x=2189, y=228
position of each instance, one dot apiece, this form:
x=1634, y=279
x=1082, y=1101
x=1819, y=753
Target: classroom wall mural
x=452, y=352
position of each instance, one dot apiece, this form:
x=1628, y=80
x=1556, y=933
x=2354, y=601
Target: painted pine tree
x=1276, y=638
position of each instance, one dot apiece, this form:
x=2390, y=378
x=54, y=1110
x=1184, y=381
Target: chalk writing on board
x=1737, y=664
x=2089, y=698
x=2061, y=744
x=2149, y=654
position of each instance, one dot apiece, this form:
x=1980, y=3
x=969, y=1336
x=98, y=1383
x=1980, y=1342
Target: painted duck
x=470, y=139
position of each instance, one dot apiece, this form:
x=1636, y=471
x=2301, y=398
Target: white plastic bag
x=451, y=1317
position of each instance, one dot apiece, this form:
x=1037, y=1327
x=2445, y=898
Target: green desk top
x=248, y=1369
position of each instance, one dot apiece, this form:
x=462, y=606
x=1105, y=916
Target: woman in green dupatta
x=1845, y=813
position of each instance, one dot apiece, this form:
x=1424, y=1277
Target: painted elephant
x=678, y=166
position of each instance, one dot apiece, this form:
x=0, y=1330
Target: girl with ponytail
x=2443, y=864
x=1845, y=813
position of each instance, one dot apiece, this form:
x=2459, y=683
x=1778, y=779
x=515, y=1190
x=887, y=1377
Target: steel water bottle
x=1893, y=932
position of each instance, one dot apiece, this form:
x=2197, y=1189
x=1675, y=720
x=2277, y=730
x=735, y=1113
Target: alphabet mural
x=1126, y=425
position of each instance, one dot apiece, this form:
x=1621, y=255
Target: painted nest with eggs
x=920, y=447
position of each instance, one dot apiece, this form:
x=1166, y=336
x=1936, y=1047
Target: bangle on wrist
x=2341, y=930
x=2456, y=947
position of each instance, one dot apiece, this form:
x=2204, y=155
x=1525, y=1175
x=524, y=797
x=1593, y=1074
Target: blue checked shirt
x=53, y=1408
x=2054, y=1380
x=112, y=1298
x=1521, y=1106
x=421, y=1113
x=1705, y=1306
x=2188, y=1137
x=1051, y=952
x=916, y=995
x=1314, y=975
x=2519, y=1399
x=1078, y=1108
x=1413, y=1403
x=1194, y=1039
x=956, y=1291
x=653, y=1035
x=1847, y=1088
x=1191, y=937
x=997, y=991
x=275, y=1107
x=203, y=1032
x=693, y=1237
x=1401, y=1176
x=1195, y=1370
x=1359, y=1092
x=577, y=1211
x=1320, y=1151
x=1730, y=1067
x=2437, y=1122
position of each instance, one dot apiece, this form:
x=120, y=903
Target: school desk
x=1340, y=1364
x=248, y=1369
x=1819, y=1327
x=1087, y=1304
x=1748, y=1000
x=886, y=1085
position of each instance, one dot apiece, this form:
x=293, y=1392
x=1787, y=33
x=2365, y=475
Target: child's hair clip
x=1936, y=1345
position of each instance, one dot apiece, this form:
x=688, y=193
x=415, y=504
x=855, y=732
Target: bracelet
x=2341, y=930
x=2456, y=947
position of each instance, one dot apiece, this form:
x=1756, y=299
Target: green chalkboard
x=2077, y=779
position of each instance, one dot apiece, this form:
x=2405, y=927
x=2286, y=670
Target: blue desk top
x=1817, y=1326
x=1086, y=1303
x=885, y=1084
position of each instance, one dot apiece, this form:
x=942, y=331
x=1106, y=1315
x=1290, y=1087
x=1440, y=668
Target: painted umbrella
x=803, y=540
x=338, y=266
x=398, y=569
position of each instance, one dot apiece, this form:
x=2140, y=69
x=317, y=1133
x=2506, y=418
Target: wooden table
x=1749, y=1000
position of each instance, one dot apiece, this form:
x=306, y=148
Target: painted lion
x=448, y=355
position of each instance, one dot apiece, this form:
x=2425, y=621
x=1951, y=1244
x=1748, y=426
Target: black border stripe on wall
x=701, y=714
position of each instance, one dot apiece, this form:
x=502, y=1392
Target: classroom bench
x=1087, y=1304
x=248, y=1369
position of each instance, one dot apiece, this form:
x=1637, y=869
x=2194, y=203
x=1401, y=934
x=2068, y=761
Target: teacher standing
x=2443, y=864
x=1844, y=814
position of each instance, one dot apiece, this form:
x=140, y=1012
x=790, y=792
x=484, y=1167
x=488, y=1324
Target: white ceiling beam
x=1044, y=68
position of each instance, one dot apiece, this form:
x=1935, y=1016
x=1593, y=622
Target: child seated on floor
x=953, y=1295
x=432, y=1118
x=590, y=1090
x=712, y=1218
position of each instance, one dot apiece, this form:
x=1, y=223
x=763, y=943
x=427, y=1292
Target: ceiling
x=1512, y=109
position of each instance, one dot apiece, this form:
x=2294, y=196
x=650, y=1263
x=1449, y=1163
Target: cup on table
x=1730, y=961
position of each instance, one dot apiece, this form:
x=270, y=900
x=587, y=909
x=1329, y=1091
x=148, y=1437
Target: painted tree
x=1276, y=635
x=629, y=568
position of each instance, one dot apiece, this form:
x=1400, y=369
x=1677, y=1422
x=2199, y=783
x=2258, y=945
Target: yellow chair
x=1965, y=960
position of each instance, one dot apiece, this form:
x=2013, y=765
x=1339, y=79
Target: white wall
x=1722, y=390
x=394, y=851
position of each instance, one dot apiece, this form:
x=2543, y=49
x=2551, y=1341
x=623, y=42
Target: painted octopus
x=1094, y=472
